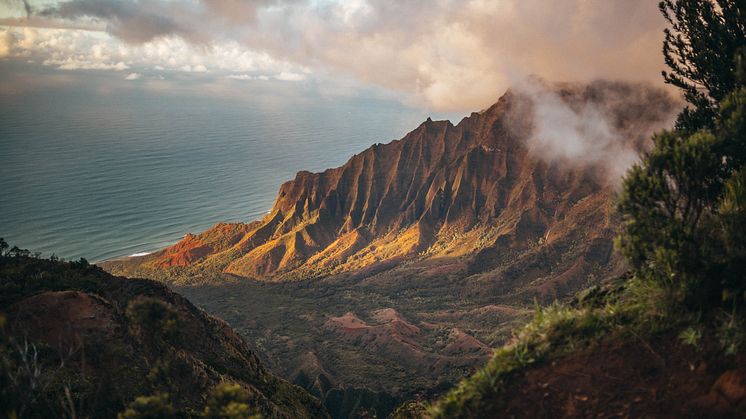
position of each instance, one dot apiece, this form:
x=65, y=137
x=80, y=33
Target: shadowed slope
x=91, y=350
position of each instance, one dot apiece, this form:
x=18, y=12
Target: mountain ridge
x=442, y=190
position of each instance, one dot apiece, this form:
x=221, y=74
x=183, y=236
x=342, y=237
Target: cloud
x=456, y=55
x=443, y=54
x=289, y=76
x=245, y=77
x=72, y=49
x=18, y=4
x=241, y=77
x=132, y=21
x=6, y=43
x=199, y=68
x=282, y=76
x=71, y=63
x=133, y=76
x=239, y=11
x=28, y=39
x=605, y=125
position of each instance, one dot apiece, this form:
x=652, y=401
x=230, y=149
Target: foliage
x=149, y=407
x=21, y=278
x=229, y=401
x=691, y=336
x=553, y=331
x=700, y=48
x=732, y=332
x=704, y=49
x=156, y=318
x=682, y=210
x=731, y=224
x=412, y=409
x=682, y=205
x=664, y=200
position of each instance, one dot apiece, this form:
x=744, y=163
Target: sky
x=440, y=55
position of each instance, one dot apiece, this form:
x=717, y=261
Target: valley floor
x=367, y=344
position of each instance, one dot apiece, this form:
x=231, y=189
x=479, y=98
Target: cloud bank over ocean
x=446, y=55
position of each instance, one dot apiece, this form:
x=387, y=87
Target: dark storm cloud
x=132, y=21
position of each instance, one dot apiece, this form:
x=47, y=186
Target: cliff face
x=478, y=191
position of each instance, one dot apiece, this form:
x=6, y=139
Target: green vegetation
x=149, y=407
x=682, y=210
x=554, y=331
x=225, y=401
x=684, y=222
x=157, y=319
x=682, y=205
x=229, y=401
x=701, y=48
x=23, y=279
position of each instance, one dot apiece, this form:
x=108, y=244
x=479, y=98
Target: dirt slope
x=662, y=378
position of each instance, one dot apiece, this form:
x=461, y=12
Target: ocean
x=86, y=172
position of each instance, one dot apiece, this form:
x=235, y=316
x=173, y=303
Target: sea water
x=86, y=172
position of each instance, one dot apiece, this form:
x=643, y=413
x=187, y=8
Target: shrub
x=157, y=319
x=229, y=401
x=149, y=407
x=682, y=209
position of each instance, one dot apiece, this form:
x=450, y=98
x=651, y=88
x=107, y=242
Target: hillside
x=624, y=378
x=608, y=354
x=78, y=340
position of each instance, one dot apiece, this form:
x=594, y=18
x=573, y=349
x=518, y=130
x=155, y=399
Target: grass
x=636, y=309
x=731, y=332
x=553, y=330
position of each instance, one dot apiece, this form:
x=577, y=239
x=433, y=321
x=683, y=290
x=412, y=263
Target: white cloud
x=81, y=63
x=71, y=49
x=133, y=76
x=591, y=127
x=6, y=43
x=241, y=77
x=245, y=77
x=289, y=76
x=28, y=39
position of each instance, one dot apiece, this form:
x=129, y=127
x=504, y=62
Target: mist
x=603, y=125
